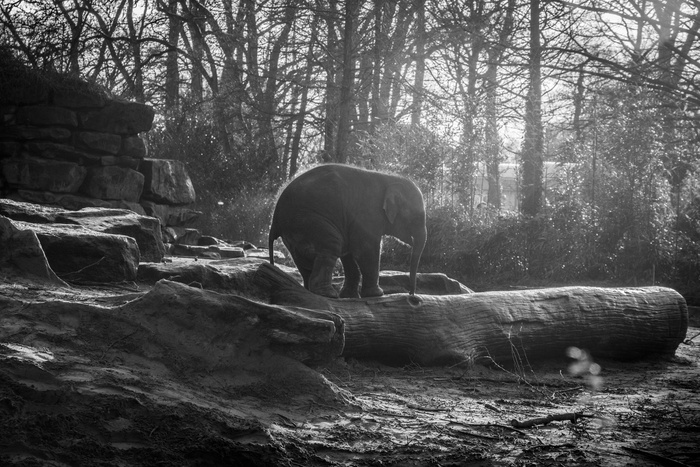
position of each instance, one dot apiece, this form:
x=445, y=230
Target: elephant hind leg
x=352, y=277
x=321, y=274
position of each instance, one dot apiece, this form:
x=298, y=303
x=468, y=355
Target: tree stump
x=507, y=327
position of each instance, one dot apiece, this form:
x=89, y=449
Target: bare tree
x=532, y=152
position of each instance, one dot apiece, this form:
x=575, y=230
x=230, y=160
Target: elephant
x=339, y=211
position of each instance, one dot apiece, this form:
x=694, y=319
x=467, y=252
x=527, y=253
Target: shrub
x=245, y=215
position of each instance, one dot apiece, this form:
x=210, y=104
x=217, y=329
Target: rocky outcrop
x=74, y=253
x=65, y=142
x=22, y=253
x=143, y=229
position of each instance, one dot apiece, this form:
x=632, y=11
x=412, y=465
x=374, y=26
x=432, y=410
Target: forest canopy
x=450, y=93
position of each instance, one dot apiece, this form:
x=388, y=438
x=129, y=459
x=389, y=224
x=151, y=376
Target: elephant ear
x=392, y=198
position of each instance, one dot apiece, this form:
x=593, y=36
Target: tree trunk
x=505, y=327
x=417, y=104
x=332, y=96
x=300, y=120
x=346, y=88
x=532, y=156
x=172, y=70
x=196, y=24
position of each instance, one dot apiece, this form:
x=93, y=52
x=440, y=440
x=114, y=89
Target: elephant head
x=405, y=213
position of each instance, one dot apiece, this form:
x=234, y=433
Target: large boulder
x=174, y=216
x=101, y=142
x=167, y=182
x=113, y=182
x=47, y=115
x=133, y=146
x=145, y=230
x=63, y=152
x=28, y=212
x=30, y=133
x=74, y=202
x=43, y=174
x=20, y=250
x=78, y=254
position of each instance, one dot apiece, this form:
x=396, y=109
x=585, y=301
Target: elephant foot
x=349, y=292
x=374, y=291
x=327, y=291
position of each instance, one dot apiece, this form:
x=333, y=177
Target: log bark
x=507, y=327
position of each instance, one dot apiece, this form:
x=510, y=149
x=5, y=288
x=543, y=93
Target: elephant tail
x=271, y=243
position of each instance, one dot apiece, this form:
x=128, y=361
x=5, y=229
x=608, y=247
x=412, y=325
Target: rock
x=181, y=235
x=206, y=251
x=128, y=162
x=78, y=254
x=134, y=147
x=171, y=216
x=64, y=152
x=71, y=201
x=145, y=230
x=120, y=117
x=167, y=182
x=130, y=205
x=9, y=149
x=103, y=142
x=226, y=275
x=207, y=240
x=113, y=182
x=246, y=245
x=20, y=249
x=47, y=115
x=43, y=174
x=263, y=253
x=30, y=133
x=28, y=212
x=235, y=328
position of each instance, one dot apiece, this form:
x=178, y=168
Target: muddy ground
x=72, y=396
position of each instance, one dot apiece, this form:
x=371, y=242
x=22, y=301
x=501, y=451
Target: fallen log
x=507, y=327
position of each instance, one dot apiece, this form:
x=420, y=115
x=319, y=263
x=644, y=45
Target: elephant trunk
x=416, y=252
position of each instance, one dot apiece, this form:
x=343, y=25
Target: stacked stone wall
x=75, y=147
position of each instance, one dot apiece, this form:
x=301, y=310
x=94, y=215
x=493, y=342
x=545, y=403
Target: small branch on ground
x=573, y=417
x=488, y=425
x=72, y=273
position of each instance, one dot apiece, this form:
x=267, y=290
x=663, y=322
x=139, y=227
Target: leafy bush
x=243, y=216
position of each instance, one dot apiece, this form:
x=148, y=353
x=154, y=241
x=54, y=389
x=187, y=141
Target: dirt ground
x=72, y=396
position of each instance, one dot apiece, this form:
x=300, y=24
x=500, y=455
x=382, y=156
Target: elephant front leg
x=352, y=277
x=368, y=260
x=321, y=275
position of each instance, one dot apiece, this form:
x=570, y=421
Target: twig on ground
x=64, y=275
x=476, y=435
x=492, y=407
x=573, y=417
